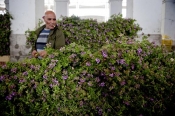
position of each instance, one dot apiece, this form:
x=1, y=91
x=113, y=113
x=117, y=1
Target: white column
x=115, y=7
x=168, y=18
x=39, y=10
x=129, y=9
x=23, y=12
x=61, y=8
x=7, y=4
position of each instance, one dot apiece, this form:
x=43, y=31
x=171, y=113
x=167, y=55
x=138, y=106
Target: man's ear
x=43, y=17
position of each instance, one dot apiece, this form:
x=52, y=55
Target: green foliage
x=90, y=33
x=124, y=78
x=5, y=31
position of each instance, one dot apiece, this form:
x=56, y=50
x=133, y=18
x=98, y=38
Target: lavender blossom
x=65, y=77
x=45, y=76
x=88, y=64
x=126, y=102
x=82, y=80
x=111, y=75
x=97, y=79
x=132, y=66
x=51, y=56
x=55, y=81
x=112, y=68
x=97, y=60
x=104, y=53
x=90, y=83
x=102, y=84
x=123, y=83
x=14, y=70
x=25, y=73
x=139, y=50
x=121, y=61
x=81, y=103
x=2, y=78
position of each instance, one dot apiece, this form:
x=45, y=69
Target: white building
x=156, y=17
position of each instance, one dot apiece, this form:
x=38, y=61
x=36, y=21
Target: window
x=95, y=9
x=49, y=4
x=2, y=7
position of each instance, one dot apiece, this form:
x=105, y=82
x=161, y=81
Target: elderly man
x=48, y=33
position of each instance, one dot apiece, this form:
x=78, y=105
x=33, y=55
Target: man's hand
x=35, y=53
x=43, y=53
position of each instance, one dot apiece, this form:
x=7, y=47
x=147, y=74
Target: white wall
x=168, y=19
x=148, y=14
x=23, y=12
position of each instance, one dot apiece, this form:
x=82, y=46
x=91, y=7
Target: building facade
x=156, y=17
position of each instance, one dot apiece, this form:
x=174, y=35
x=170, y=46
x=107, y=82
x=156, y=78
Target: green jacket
x=56, y=37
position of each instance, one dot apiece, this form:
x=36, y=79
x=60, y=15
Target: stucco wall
x=148, y=15
x=23, y=12
x=168, y=19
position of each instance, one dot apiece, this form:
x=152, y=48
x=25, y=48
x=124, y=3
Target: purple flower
x=126, y=102
x=52, y=65
x=45, y=76
x=9, y=97
x=97, y=79
x=35, y=86
x=4, y=66
x=2, y=78
x=97, y=60
x=25, y=73
x=65, y=77
x=15, y=77
x=32, y=67
x=123, y=83
x=132, y=66
x=88, y=64
x=58, y=109
x=82, y=53
x=109, y=110
x=21, y=80
x=81, y=103
x=112, y=68
x=51, y=85
x=111, y=75
x=72, y=56
x=121, y=61
x=100, y=111
x=55, y=81
x=90, y=83
x=102, y=84
x=139, y=50
x=105, y=55
x=14, y=70
x=51, y=56
x=82, y=80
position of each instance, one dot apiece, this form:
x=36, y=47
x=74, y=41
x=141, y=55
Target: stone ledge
x=4, y=58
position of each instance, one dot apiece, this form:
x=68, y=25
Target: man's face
x=50, y=20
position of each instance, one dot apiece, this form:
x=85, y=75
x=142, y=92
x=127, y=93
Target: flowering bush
x=5, y=32
x=90, y=33
x=124, y=78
